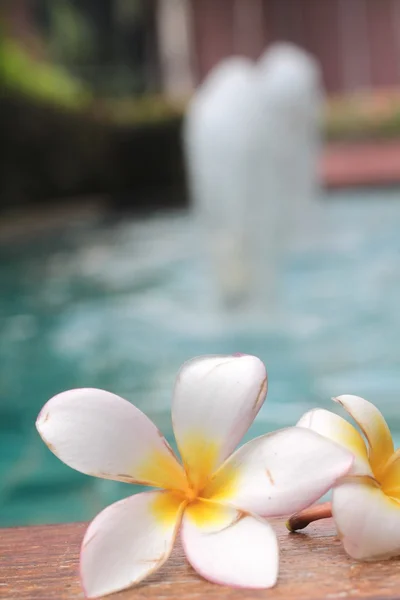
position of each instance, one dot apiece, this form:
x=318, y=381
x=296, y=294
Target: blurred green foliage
x=71, y=38
x=39, y=80
x=374, y=114
x=148, y=108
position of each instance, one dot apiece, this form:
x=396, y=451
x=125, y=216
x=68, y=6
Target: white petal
x=340, y=431
x=243, y=554
x=127, y=541
x=216, y=398
x=280, y=473
x=373, y=425
x=367, y=520
x=101, y=434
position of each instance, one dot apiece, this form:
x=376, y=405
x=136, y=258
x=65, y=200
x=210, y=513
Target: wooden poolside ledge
x=41, y=563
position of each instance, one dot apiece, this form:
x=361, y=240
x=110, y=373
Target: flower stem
x=303, y=518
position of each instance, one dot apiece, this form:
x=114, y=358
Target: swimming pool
x=120, y=305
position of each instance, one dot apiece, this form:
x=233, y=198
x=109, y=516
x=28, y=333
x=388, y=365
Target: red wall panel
x=212, y=26
x=382, y=18
x=356, y=41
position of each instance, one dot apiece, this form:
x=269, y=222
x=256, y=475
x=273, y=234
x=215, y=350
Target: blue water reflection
x=121, y=305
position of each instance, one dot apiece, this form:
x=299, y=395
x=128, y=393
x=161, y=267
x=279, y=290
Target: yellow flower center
x=200, y=495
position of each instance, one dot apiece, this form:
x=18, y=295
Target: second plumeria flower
x=217, y=499
x=365, y=504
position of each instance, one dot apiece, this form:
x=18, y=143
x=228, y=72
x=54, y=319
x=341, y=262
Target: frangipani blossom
x=217, y=499
x=365, y=504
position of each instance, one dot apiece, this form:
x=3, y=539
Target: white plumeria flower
x=366, y=504
x=218, y=500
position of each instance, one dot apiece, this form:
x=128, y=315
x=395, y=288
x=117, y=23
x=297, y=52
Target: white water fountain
x=250, y=139
x=222, y=147
x=291, y=84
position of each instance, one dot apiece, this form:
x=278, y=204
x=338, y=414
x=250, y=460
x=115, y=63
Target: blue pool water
x=121, y=305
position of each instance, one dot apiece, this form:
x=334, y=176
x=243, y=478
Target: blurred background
x=102, y=272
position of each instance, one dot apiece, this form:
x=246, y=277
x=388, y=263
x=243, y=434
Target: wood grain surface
x=41, y=563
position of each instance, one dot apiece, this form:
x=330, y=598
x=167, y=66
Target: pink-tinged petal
x=342, y=432
x=243, y=554
x=216, y=398
x=368, y=521
x=280, y=473
x=373, y=426
x=101, y=434
x=128, y=541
